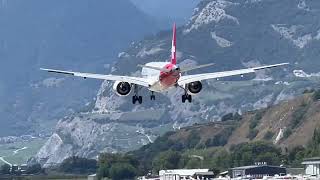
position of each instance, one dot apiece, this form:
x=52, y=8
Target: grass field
x=20, y=152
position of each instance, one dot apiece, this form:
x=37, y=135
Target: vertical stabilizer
x=173, y=48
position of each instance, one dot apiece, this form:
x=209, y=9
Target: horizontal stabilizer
x=196, y=67
x=155, y=68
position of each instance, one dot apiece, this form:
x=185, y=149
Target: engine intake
x=122, y=88
x=194, y=87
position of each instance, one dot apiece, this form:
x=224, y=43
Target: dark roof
x=205, y=173
x=312, y=159
x=254, y=166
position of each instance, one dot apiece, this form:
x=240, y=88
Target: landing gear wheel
x=186, y=97
x=183, y=98
x=140, y=99
x=134, y=99
x=189, y=97
x=152, y=97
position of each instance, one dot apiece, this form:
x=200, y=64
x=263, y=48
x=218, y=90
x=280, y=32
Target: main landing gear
x=152, y=97
x=136, y=97
x=186, y=97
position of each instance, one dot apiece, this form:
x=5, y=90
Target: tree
x=316, y=95
x=249, y=153
x=5, y=169
x=193, y=139
x=34, y=169
x=124, y=164
x=76, y=164
x=268, y=136
x=121, y=171
x=166, y=160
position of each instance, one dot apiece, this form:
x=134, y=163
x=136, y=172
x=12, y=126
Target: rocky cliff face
x=232, y=34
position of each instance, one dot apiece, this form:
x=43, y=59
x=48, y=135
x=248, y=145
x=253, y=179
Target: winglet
x=174, y=45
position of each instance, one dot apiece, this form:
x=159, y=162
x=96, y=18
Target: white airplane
x=162, y=76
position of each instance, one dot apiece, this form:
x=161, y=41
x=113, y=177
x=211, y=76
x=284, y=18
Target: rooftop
x=312, y=159
x=254, y=166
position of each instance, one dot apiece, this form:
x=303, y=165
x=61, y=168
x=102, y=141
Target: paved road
x=3, y=160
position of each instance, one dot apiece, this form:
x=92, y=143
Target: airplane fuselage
x=162, y=81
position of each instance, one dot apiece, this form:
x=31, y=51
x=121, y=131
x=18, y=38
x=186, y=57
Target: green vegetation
x=220, y=139
x=5, y=169
x=287, y=133
x=120, y=171
x=268, y=136
x=34, y=169
x=298, y=115
x=296, y=155
x=252, y=133
x=193, y=139
x=230, y=116
x=167, y=160
x=249, y=153
x=117, y=166
x=256, y=119
x=77, y=165
x=21, y=157
x=316, y=95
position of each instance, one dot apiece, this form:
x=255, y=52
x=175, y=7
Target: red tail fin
x=174, y=45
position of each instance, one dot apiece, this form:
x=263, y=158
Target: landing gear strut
x=152, y=97
x=186, y=96
x=136, y=98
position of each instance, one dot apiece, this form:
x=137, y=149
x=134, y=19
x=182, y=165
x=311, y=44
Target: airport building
x=312, y=166
x=258, y=171
x=180, y=174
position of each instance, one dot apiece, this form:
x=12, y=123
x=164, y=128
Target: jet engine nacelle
x=122, y=88
x=194, y=87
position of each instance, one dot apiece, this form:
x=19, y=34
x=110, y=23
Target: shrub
x=193, y=139
x=121, y=171
x=298, y=115
x=76, y=164
x=252, y=133
x=316, y=95
x=227, y=117
x=256, y=119
x=34, y=169
x=268, y=136
x=5, y=169
x=287, y=133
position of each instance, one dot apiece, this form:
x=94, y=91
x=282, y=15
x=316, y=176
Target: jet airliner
x=162, y=76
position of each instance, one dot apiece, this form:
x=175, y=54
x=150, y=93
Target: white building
x=181, y=174
x=312, y=166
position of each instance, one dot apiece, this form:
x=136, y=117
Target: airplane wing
x=199, y=77
x=132, y=80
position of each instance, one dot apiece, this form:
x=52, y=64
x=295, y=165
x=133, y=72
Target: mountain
x=232, y=34
x=79, y=35
x=166, y=10
x=280, y=134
